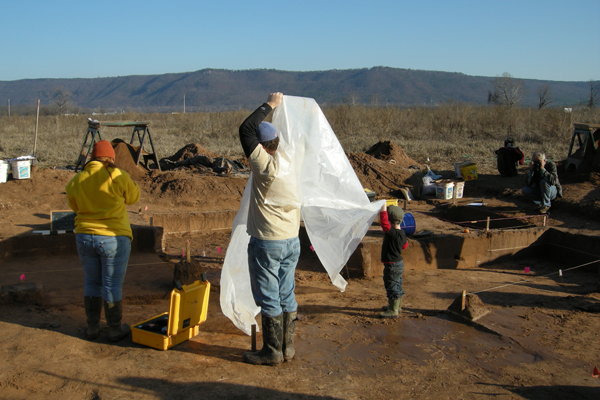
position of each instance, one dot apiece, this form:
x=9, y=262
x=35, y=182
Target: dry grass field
x=446, y=133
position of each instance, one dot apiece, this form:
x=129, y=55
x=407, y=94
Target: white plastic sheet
x=316, y=176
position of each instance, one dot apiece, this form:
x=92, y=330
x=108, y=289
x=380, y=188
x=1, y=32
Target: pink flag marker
x=146, y=208
x=219, y=250
x=312, y=248
x=527, y=270
x=23, y=277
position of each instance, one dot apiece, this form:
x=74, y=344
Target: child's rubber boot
x=393, y=309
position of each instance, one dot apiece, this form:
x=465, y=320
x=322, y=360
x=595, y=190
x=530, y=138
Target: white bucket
x=21, y=169
x=444, y=190
x=4, y=167
x=458, y=189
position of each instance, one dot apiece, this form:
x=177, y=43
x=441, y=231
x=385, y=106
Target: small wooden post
x=545, y=218
x=463, y=301
x=405, y=204
x=253, y=337
x=454, y=193
x=487, y=225
x=37, y=118
x=188, y=257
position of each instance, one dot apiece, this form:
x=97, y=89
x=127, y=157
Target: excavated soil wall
x=441, y=251
x=194, y=222
x=459, y=251
x=146, y=239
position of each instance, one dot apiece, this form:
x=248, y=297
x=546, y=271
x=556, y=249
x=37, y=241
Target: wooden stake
x=405, y=204
x=253, y=337
x=487, y=225
x=463, y=301
x=37, y=118
x=188, y=257
x=454, y=194
x=545, y=217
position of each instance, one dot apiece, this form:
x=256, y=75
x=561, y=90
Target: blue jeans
x=104, y=260
x=272, y=265
x=392, y=279
x=541, y=193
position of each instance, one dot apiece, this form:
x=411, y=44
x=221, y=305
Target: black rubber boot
x=392, y=309
x=289, y=329
x=93, y=310
x=271, y=352
x=114, y=313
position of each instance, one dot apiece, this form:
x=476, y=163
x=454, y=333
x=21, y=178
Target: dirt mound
x=125, y=157
x=185, y=189
x=392, y=153
x=382, y=177
x=473, y=307
x=191, y=150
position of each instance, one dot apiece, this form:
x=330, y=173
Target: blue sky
x=548, y=40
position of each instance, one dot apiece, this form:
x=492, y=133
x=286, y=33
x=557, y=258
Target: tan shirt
x=266, y=221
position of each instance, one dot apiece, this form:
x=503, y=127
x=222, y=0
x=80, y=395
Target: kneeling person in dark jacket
x=542, y=182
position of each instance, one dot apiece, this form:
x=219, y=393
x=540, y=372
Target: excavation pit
x=481, y=218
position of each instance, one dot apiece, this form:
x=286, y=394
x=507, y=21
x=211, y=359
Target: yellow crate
x=391, y=202
x=187, y=310
x=469, y=171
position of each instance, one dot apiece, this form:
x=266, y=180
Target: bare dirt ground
x=540, y=340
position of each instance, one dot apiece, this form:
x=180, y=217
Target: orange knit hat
x=103, y=148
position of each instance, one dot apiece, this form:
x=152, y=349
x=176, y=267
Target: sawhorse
x=93, y=132
x=139, y=127
x=585, y=137
x=143, y=127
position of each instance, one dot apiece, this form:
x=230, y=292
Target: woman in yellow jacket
x=99, y=194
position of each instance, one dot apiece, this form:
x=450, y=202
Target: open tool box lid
x=187, y=310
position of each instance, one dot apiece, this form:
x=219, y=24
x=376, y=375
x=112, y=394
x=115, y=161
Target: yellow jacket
x=98, y=195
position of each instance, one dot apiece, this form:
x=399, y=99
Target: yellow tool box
x=188, y=309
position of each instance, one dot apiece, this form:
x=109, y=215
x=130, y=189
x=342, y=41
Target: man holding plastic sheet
x=542, y=182
x=274, y=246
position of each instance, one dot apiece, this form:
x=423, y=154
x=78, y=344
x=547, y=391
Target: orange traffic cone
x=596, y=373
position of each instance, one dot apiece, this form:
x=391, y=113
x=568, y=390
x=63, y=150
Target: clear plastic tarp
x=315, y=176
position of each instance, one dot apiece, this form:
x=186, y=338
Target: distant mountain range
x=218, y=89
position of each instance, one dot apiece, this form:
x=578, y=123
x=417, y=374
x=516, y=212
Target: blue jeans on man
x=542, y=193
x=104, y=260
x=272, y=265
x=392, y=279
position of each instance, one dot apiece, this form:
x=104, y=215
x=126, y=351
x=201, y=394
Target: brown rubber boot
x=393, y=309
x=93, y=310
x=289, y=329
x=271, y=352
x=114, y=313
